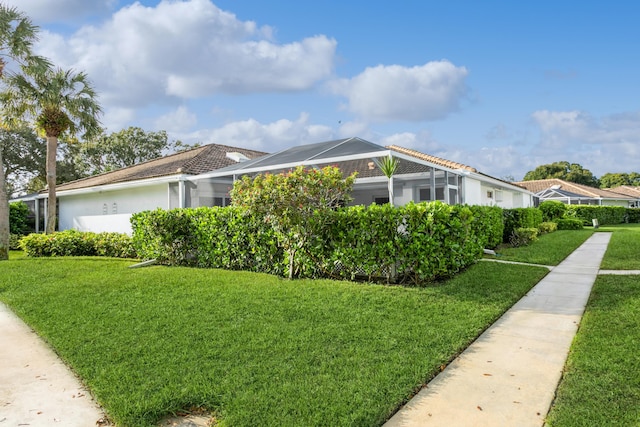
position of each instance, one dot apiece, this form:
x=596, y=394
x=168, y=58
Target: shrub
x=18, y=213
x=633, y=215
x=547, y=227
x=523, y=236
x=488, y=224
x=604, y=214
x=520, y=218
x=569, y=224
x=14, y=242
x=552, y=209
x=77, y=243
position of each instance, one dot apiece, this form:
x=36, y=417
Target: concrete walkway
x=509, y=375
x=36, y=388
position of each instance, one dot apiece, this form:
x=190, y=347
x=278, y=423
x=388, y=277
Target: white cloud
x=115, y=119
x=270, y=137
x=421, y=93
x=60, y=10
x=187, y=49
x=178, y=120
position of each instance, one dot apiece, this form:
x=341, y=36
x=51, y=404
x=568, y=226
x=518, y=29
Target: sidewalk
x=36, y=388
x=509, y=375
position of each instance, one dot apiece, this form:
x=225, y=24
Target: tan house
x=579, y=194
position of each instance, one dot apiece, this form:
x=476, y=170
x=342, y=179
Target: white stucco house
x=204, y=176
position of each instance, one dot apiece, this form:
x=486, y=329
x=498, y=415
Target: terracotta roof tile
x=433, y=159
x=539, y=185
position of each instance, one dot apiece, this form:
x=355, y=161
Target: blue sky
x=502, y=86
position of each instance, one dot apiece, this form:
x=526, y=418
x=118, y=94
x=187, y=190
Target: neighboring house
x=578, y=194
x=204, y=176
x=105, y=202
x=627, y=190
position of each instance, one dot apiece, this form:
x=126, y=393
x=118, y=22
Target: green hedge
x=18, y=213
x=604, y=214
x=523, y=237
x=552, y=210
x=633, y=215
x=77, y=243
x=569, y=224
x=520, y=218
x=489, y=225
x=416, y=242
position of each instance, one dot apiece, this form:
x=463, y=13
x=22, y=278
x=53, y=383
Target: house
x=105, y=202
x=627, y=190
x=578, y=194
x=204, y=176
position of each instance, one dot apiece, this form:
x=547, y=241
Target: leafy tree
x=572, y=172
x=612, y=180
x=22, y=154
x=59, y=102
x=289, y=200
x=127, y=147
x=17, y=36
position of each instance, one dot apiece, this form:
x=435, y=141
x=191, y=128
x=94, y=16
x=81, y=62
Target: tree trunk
x=391, y=190
x=52, y=150
x=4, y=214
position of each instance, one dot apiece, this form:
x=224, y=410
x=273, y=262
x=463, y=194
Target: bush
x=520, y=218
x=547, y=227
x=417, y=242
x=14, y=242
x=569, y=224
x=489, y=225
x=18, y=213
x=77, y=243
x=633, y=215
x=604, y=214
x=523, y=236
x=552, y=209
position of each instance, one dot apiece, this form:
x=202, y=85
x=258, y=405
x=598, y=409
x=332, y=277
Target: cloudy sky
x=503, y=86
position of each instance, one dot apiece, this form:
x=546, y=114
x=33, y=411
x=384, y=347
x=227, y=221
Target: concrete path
x=509, y=375
x=36, y=388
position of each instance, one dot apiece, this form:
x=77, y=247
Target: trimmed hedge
x=77, y=243
x=604, y=214
x=523, y=237
x=552, y=209
x=18, y=213
x=569, y=224
x=633, y=215
x=520, y=218
x=547, y=227
x=416, y=242
x=489, y=224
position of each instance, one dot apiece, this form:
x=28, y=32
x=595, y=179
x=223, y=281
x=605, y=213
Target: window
x=489, y=194
x=498, y=195
x=221, y=201
x=424, y=194
x=381, y=200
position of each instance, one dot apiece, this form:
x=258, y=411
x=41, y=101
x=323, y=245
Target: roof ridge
x=434, y=159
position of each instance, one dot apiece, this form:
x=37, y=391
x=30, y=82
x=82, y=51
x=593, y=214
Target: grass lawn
x=549, y=249
x=623, y=252
x=601, y=384
x=255, y=349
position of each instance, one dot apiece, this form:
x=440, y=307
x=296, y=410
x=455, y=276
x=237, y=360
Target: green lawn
x=255, y=349
x=601, y=384
x=623, y=252
x=549, y=249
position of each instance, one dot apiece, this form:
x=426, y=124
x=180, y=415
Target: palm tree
x=17, y=36
x=389, y=166
x=59, y=102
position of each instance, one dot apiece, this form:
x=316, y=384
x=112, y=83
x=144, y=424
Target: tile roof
x=191, y=162
x=627, y=190
x=539, y=185
x=432, y=159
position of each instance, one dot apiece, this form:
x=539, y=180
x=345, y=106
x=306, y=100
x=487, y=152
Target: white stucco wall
x=86, y=212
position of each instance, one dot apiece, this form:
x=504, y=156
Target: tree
x=613, y=180
x=288, y=201
x=572, y=172
x=127, y=147
x=59, y=102
x=17, y=36
x=22, y=154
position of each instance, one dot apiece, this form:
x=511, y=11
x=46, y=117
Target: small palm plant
x=389, y=166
